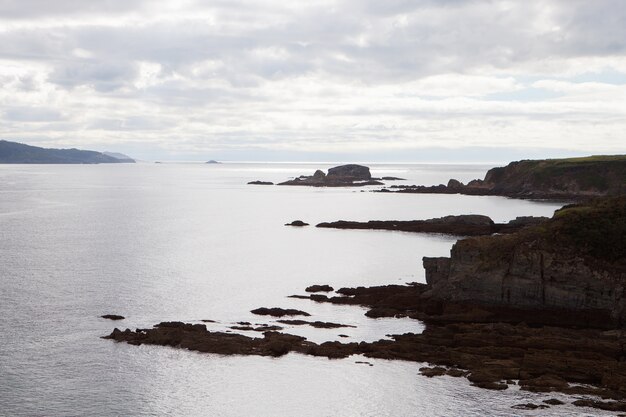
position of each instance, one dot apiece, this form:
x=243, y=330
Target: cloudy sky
x=317, y=79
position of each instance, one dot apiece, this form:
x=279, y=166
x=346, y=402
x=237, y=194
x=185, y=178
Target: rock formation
x=575, y=262
x=297, y=223
x=350, y=175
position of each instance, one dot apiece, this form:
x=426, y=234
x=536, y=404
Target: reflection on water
x=191, y=242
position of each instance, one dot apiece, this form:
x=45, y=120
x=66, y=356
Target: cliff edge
x=572, y=267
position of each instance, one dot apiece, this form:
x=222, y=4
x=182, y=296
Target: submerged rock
x=260, y=183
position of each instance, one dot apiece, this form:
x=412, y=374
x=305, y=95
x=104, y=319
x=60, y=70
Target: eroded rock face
x=553, y=266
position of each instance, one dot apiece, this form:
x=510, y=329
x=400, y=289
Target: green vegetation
x=597, y=229
x=601, y=174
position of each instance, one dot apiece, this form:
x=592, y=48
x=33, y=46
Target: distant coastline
x=19, y=153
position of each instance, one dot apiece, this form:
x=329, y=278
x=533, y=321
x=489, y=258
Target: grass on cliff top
x=597, y=229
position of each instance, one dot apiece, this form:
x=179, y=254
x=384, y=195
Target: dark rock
x=278, y=312
x=264, y=328
x=212, y=161
x=351, y=172
x=464, y=225
x=434, y=371
x=455, y=184
x=528, y=406
x=553, y=401
x=113, y=317
x=302, y=297
x=297, y=223
x=208, y=321
x=392, y=179
x=602, y=405
x=317, y=324
x=261, y=182
x=319, y=288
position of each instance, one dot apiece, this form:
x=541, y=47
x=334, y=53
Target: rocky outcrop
x=260, y=183
x=350, y=172
x=560, y=179
x=319, y=288
x=278, y=312
x=113, y=317
x=297, y=223
x=316, y=324
x=463, y=225
x=350, y=175
x=575, y=263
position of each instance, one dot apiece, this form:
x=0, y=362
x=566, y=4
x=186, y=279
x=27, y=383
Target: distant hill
x=19, y=153
x=120, y=156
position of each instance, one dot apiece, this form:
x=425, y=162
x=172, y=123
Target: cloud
x=320, y=76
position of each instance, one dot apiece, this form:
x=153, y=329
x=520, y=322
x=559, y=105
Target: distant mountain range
x=19, y=153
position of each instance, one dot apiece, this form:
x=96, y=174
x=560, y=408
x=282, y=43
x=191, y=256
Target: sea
x=191, y=242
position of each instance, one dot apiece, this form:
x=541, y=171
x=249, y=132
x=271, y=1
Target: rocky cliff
x=572, y=178
x=576, y=262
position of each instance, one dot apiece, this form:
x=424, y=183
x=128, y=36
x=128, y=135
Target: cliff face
x=576, y=261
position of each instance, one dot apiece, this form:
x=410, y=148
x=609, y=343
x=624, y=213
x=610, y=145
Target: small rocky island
x=351, y=175
x=564, y=179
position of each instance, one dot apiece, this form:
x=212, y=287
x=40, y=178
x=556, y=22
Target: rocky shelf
x=463, y=225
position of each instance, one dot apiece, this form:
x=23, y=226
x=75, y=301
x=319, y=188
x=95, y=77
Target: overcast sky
x=322, y=80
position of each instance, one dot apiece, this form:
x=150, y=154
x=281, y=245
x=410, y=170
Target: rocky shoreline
x=543, y=308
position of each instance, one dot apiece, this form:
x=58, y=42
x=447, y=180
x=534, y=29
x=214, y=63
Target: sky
x=331, y=80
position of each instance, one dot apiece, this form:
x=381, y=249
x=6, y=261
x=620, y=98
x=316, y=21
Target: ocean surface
x=188, y=242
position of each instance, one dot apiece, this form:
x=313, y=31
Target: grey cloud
x=29, y=9
x=32, y=114
x=103, y=76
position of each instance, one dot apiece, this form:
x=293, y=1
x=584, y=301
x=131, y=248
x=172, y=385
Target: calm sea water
x=187, y=242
